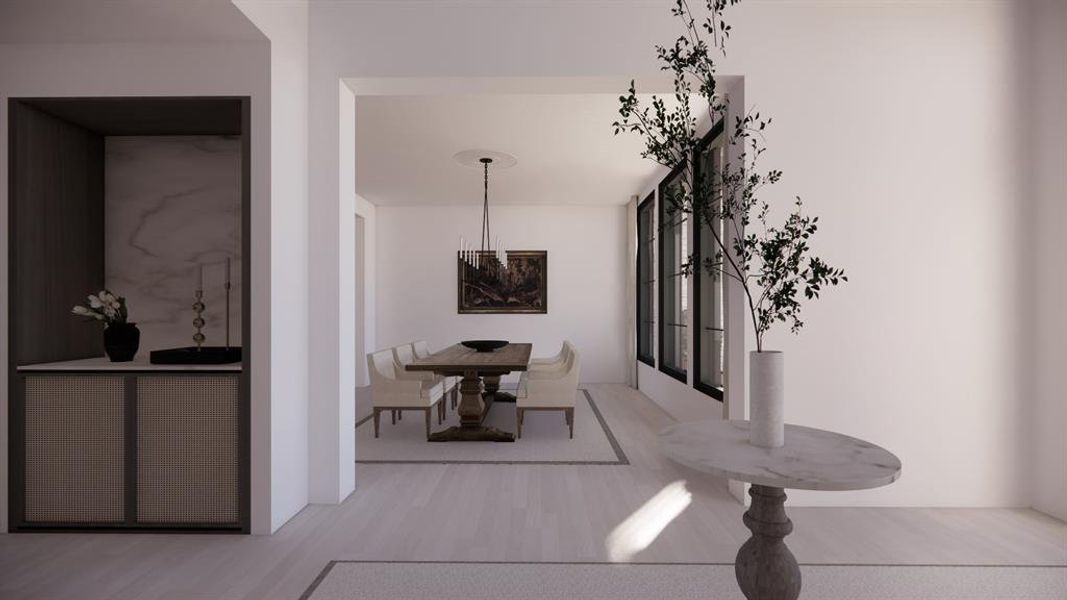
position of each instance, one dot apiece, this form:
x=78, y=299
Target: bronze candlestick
x=198, y=309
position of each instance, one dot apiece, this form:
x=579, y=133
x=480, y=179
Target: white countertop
x=811, y=459
x=103, y=363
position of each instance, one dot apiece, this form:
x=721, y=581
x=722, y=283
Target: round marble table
x=811, y=459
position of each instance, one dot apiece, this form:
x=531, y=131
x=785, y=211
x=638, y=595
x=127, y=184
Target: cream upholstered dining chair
x=389, y=392
x=546, y=364
x=554, y=361
x=403, y=355
x=551, y=389
x=422, y=350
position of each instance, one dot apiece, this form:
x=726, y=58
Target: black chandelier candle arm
x=487, y=242
x=475, y=256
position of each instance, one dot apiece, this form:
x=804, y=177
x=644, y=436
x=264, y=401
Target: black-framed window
x=674, y=285
x=708, y=288
x=646, y=279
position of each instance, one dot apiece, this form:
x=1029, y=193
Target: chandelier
x=489, y=256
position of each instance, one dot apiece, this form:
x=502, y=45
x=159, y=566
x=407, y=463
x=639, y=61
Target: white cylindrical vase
x=766, y=394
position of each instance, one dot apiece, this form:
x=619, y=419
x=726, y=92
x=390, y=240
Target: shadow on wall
x=1041, y=148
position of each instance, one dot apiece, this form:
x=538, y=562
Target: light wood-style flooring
x=506, y=513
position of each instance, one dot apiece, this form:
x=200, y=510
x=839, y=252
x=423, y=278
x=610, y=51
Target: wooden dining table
x=476, y=395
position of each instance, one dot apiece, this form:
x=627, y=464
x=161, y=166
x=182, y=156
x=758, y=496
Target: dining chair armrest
x=548, y=394
x=549, y=368
x=549, y=386
x=546, y=362
x=402, y=387
x=545, y=374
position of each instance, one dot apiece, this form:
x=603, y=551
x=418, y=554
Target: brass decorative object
x=200, y=353
x=198, y=322
x=228, y=285
x=198, y=309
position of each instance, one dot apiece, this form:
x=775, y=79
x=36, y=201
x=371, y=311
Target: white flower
x=81, y=311
x=104, y=305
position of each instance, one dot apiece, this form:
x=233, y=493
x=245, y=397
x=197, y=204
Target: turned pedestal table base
x=811, y=459
x=473, y=407
x=765, y=568
x=472, y=434
x=475, y=398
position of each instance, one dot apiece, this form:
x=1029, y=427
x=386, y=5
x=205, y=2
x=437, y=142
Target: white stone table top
x=811, y=459
x=102, y=363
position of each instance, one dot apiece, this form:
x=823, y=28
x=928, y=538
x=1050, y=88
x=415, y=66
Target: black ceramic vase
x=121, y=341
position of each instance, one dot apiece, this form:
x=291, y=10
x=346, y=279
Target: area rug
x=350, y=580
x=545, y=439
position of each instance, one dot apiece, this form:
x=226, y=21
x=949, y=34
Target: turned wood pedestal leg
x=765, y=568
x=492, y=390
x=471, y=404
x=472, y=410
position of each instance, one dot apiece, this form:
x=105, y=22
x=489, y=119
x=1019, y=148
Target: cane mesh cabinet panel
x=188, y=452
x=74, y=451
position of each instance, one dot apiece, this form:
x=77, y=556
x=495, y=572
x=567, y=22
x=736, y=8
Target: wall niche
x=135, y=195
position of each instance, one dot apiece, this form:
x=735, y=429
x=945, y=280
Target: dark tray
x=191, y=355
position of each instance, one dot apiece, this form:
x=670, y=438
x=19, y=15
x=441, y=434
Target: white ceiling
x=565, y=146
x=103, y=21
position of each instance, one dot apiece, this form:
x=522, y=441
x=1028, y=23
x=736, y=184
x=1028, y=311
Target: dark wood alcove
x=57, y=252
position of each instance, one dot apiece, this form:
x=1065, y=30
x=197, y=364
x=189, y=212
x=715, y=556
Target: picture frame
x=521, y=288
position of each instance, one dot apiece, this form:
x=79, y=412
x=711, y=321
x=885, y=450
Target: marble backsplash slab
x=172, y=204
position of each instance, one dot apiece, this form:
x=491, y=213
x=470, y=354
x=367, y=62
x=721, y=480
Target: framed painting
x=522, y=288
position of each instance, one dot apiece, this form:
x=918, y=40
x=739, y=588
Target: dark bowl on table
x=485, y=345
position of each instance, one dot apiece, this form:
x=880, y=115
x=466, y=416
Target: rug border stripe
x=330, y=565
x=620, y=456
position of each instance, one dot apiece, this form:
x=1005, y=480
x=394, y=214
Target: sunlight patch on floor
x=644, y=525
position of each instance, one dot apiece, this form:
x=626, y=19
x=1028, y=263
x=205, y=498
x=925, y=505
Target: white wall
x=682, y=401
x=150, y=70
x=885, y=114
x=416, y=280
x=331, y=287
x=285, y=22
x=899, y=141
x=366, y=303
x=361, y=293
x=918, y=351
x=331, y=272
x=1045, y=247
